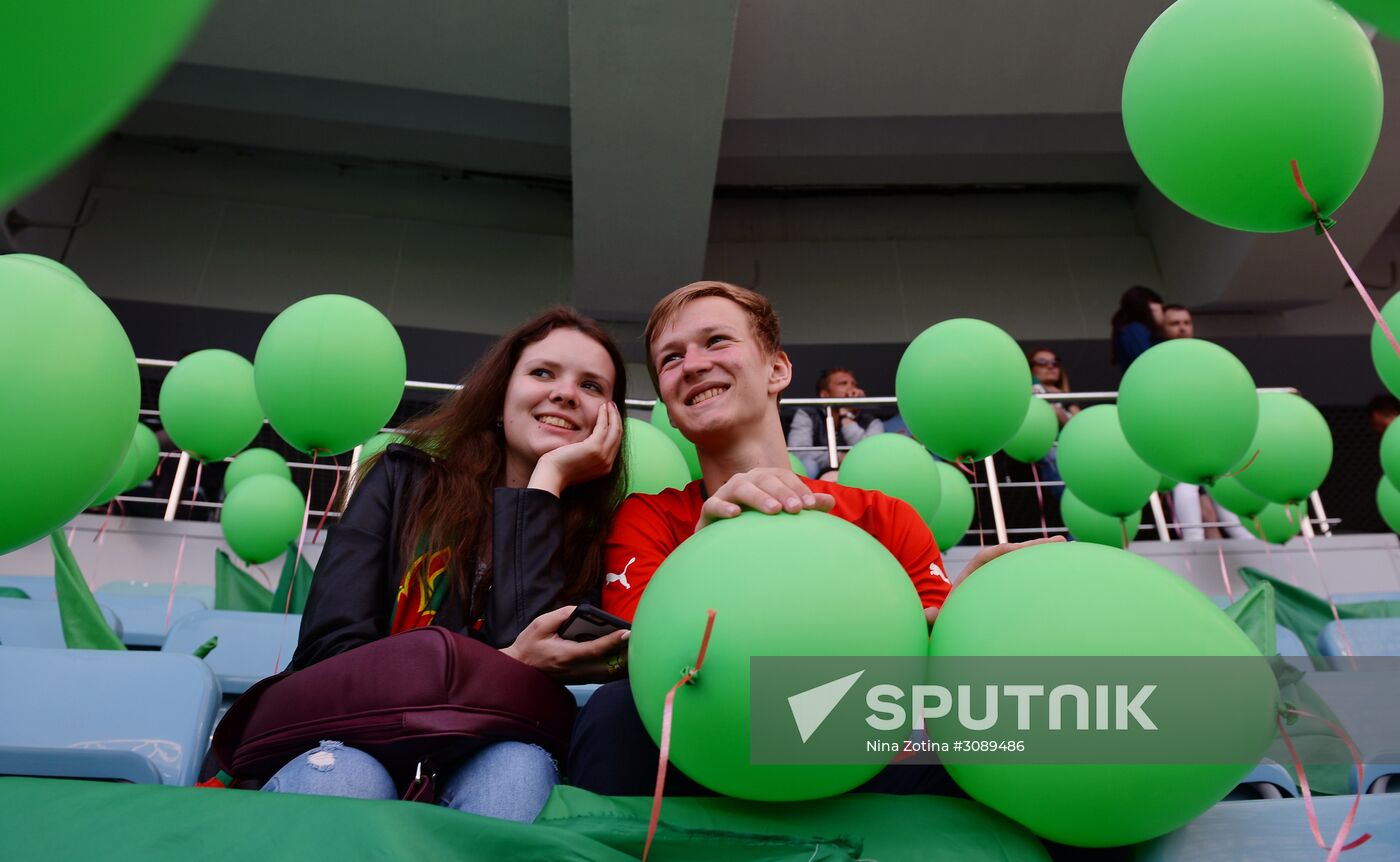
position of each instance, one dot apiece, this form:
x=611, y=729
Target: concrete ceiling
x=643, y=106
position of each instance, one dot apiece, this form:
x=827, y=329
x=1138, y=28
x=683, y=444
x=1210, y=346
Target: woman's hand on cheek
x=584, y=461
x=569, y=662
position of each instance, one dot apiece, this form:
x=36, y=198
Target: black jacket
x=357, y=578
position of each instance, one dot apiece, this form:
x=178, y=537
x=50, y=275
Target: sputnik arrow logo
x=811, y=707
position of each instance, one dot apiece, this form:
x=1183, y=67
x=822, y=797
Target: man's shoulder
x=861, y=505
x=668, y=504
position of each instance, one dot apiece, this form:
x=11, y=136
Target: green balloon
x=95, y=59
x=955, y=507
x=1082, y=599
x=1189, y=409
x=1390, y=450
x=1276, y=523
x=1100, y=467
x=962, y=387
x=261, y=516
x=330, y=372
x=653, y=461
x=1383, y=14
x=896, y=466
x=1087, y=524
x=1166, y=484
x=797, y=466
x=255, y=462
x=1294, y=446
x=208, y=404
x=748, y=569
x=1036, y=436
x=66, y=361
x=120, y=479
x=1214, y=118
x=147, y=455
x=376, y=444
x=1236, y=498
x=661, y=419
x=1383, y=356
x=1388, y=502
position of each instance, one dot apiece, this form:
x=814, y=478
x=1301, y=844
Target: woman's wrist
x=546, y=478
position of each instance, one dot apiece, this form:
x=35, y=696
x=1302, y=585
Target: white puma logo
x=932, y=570
x=622, y=578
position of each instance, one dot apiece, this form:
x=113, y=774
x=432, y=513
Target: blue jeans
x=505, y=780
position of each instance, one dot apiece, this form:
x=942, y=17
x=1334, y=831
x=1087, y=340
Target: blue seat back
x=1357, y=598
x=36, y=623
x=143, y=617
x=1367, y=637
x=251, y=645
x=34, y=586
x=159, y=706
x=200, y=592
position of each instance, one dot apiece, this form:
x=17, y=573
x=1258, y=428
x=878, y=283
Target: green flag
x=83, y=625
x=296, y=580
x=235, y=589
x=1306, y=613
x=13, y=593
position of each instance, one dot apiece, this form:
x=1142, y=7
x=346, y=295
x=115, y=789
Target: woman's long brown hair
x=462, y=433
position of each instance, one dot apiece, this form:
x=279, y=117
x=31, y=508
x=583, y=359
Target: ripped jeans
x=505, y=780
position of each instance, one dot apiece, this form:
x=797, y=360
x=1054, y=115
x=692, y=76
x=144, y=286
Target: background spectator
x=1136, y=324
x=1050, y=376
x=1177, y=322
x=1381, y=411
x=853, y=424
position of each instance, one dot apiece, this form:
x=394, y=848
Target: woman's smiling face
x=555, y=392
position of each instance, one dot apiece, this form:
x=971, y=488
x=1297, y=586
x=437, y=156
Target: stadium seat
x=582, y=693
x=1367, y=637
x=36, y=623
x=130, y=716
x=34, y=586
x=251, y=645
x=1268, y=780
x=1277, y=830
x=143, y=617
x=1382, y=774
x=200, y=592
x=1357, y=598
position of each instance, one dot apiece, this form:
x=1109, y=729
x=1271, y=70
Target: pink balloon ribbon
x=688, y=676
x=976, y=499
x=296, y=564
x=1040, y=501
x=180, y=555
x=1338, y=846
x=335, y=489
x=1327, y=592
x=1322, y=225
x=1224, y=572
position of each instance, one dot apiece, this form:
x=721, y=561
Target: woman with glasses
x=1050, y=377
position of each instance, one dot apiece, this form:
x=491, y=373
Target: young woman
x=1137, y=324
x=490, y=521
x=1050, y=376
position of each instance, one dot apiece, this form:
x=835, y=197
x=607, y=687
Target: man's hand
x=569, y=662
x=765, y=489
x=984, y=556
x=590, y=458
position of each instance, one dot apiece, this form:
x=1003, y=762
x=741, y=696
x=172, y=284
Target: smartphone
x=588, y=623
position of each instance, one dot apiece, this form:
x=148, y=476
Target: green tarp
x=1306, y=613
x=235, y=589
x=13, y=593
x=296, y=579
x=83, y=625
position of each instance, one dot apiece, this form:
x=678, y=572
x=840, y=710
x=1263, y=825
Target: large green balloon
x=147, y=449
x=209, y=406
x=1276, y=523
x=1236, y=498
x=255, y=462
x=78, y=66
x=66, y=362
x=1388, y=502
x=1165, y=484
x=897, y=466
x=796, y=463
x=653, y=461
x=955, y=507
x=1390, y=452
x=1036, y=436
x=661, y=419
x=1100, y=467
x=1189, y=410
x=120, y=480
x=330, y=372
x=1294, y=446
x=963, y=388
x=1384, y=14
x=1082, y=599
x=261, y=516
x=856, y=600
x=1383, y=356
x=1088, y=524
x=376, y=444
x=1214, y=116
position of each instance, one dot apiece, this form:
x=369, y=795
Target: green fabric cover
x=235, y=589
x=13, y=593
x=59, y=821
x=299, y=587
x=890, y=828
x=83, y=625
x=1306, y=613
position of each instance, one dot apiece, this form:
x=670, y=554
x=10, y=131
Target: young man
x=1177, y=323
x=853, y=424
x=714, y=353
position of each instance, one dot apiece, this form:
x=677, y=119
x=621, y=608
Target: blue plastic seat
x=1268, y=780
x=131, y=716
x=251, y=645
x=200, y=592
x=34, y=586
x=1367, y=637
x=1277, y=830
x=1382, y=774
x=1357, y=598
x=143, y=617
x=36, y=623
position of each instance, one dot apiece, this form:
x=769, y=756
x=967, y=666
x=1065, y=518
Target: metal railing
x=994, y=486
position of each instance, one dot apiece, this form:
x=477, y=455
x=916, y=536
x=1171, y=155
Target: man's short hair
x=762, y=318
x=1384, y=403
x=829, y=373
x=1167, y=308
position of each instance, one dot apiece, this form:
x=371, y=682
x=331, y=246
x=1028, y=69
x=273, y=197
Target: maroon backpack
x=416, y=701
